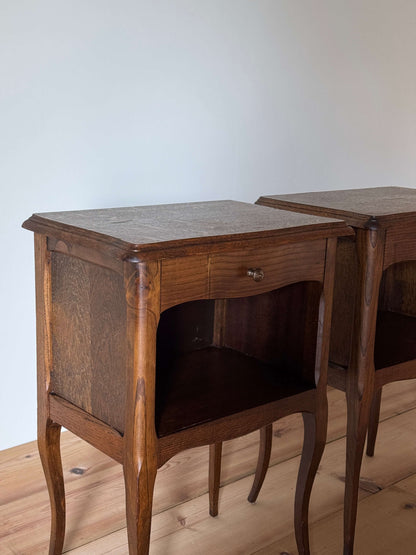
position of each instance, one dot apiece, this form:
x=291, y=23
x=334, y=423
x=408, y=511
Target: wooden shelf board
x=237, y=382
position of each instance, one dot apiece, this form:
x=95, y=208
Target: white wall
x=109, y=103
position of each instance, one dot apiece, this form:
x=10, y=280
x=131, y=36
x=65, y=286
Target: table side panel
x=345, y=286
x=89, y=338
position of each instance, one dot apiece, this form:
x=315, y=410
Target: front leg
x=139, y=478
x=214, y=477
x=49, y=435
x=142, y=289
x=315, y=426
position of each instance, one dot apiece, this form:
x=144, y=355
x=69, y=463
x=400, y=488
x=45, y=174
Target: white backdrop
x=111, y=103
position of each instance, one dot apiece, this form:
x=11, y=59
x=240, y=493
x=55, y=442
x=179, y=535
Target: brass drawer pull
x=256, y=273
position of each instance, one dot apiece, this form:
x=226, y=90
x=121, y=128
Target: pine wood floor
x=181, y=524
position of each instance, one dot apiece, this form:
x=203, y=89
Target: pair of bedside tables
x=168, y=327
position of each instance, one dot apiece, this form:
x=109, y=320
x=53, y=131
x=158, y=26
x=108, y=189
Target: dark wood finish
x=265, y=449
x=142, y=286
x=154, y=338
x=388, y=206
x=184, y=279
x=49, y=431
x=360, y=376
x=215, y=452
x=91, y=429
x=315, y=425
x=172, y=229
x=373, y=421
x=280, y=266
x=237, y=382
x=374, y=343
x=88, y=310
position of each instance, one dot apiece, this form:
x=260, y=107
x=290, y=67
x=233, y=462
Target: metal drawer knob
x=256, y=273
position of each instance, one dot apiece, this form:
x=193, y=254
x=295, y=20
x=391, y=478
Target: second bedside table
x=373, y=332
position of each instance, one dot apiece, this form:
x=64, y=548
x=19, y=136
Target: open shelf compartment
x=396, y=319
x=220, y=357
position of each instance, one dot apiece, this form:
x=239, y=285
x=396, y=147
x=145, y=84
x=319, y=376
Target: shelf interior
x=395, y=339
x=211, y=383
x=220, y=357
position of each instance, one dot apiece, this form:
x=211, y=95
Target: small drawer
x=400, y=244
x=250, y=272
x=183, y=279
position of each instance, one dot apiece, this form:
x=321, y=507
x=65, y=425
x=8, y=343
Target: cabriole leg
x=265, y=449
x=49, y=435
x=373, y=422
x=315, y=425
x=215, y=452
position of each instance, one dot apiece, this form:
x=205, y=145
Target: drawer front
x=183, y=279
x=400, y=244
x=254, y=271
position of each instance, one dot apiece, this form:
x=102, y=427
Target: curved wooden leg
x=315, y=425
x=49, y=435
x=139, y=483
x=357, y=425
x=215, y=452
x=265, y=449
x=361, y=372
x=373, y=422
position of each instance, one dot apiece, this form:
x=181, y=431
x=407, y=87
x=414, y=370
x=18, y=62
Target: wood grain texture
x=278, y=327
x=142, y=286
x=184, y=279
x=360, y=378
x=281, y=266
x=237, y=382
x=100, y=435
x=100, y=258
x=49, y=432
x=385, y=222
x=345, y=289
x=263, y=461
x=94, y=483
x=89, y=338
x=398, y=288
x=214, y=475
x=386, y=205
x=175, y=228
x=114, y=364
x=400, y=242
x=386, y=525
x=235, y=425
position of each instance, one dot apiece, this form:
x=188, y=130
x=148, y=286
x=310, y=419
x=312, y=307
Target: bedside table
x=373, y=334
x=162, y=328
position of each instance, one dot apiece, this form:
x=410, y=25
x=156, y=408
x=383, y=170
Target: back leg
x=265, y=449
x=215, y=452
x=373, y=422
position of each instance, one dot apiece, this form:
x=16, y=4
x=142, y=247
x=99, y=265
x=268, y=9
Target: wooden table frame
x=99, y=263
x=384, y=220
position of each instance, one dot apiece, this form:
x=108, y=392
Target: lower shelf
x=211, y=383
x=395, y=339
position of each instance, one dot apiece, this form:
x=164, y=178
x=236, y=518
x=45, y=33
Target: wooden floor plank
x=183, y=529
x=188, y=529
x=95, y=490
x=386, y=525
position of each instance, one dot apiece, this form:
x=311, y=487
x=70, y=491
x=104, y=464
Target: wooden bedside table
x=162, y=328
x=374, y=344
